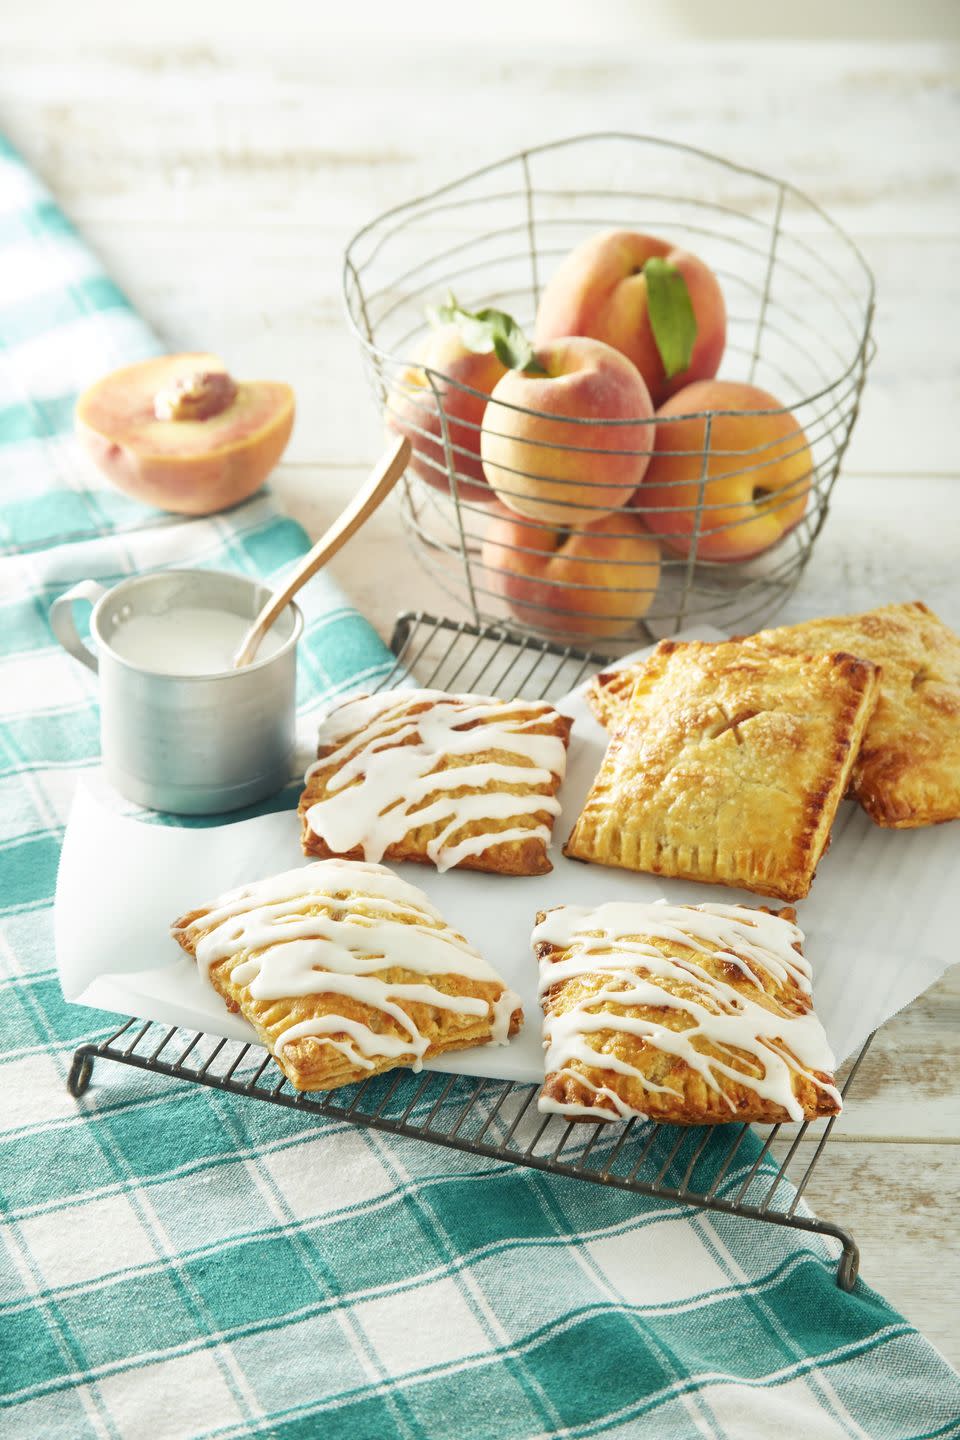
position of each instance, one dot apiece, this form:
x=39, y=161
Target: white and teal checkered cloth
x=181, y=1263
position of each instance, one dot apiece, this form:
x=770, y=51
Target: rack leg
x=849, y=1266
x=80, y=1071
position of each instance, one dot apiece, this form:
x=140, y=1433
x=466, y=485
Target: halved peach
x=179, y=433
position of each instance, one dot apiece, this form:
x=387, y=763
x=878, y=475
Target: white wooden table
x=220, y=171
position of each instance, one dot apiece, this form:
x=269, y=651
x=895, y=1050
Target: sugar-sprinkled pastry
x=608, y=693
x=344, y=970
x=728, y=766
x=686, y=1014
x=449, y=780
x=907, y=773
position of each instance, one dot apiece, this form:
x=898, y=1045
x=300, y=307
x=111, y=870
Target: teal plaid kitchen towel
x=180, y=1263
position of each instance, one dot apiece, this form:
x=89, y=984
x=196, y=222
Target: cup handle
x=63, y=625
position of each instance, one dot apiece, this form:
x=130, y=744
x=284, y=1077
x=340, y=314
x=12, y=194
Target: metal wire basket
x=799, y=298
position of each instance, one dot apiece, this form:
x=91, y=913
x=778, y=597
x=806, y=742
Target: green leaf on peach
x=489, y=330
x=672, y=320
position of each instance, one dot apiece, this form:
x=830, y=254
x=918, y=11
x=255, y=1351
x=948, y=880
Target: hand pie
x=344, y=970
x=728, y=766
x=447, y=780
x=908, y=771
x=687, y=1014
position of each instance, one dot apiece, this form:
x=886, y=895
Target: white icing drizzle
x=289, y=954
x=756, y=943
x=396, y=777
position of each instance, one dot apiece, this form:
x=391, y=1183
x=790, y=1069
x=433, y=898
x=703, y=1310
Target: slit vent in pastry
x=685, y=1014
x=344, y=970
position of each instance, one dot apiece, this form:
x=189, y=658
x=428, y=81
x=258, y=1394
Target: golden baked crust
x=728, y=766
x=908, y=771
x=368, y=984
x=734, y=1040
x=369, y=796
x=608, y=693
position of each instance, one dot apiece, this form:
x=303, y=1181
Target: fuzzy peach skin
x=551, y=466
x=759, y=472
x=192, y=467
x=413, y=410
x=614, y=566
x=599, y=290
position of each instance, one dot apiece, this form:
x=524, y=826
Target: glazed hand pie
x=344, y=970
x=692, y=1015
x=447, y=780
x=908, y=771
x=728, y=766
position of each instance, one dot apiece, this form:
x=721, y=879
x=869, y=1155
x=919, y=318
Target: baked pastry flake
x=907, y=773
x=608, y=694
x=691, y=1015
x=449, y=780
x=345, y=970
x=728, y=766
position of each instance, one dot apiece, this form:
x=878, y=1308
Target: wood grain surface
x=220, y=166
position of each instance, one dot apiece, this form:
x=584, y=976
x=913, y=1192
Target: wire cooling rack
x=710, y=1167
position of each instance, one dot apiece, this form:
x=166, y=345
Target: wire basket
x=799, y=298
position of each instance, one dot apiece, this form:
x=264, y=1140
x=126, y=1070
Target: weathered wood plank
x=181, y=123
x=899, y=1203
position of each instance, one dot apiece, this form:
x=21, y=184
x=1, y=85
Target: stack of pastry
x=728, y=761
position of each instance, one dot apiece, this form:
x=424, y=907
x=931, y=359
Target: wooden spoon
x=384, y=476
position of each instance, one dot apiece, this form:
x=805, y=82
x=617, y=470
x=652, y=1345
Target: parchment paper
x=876, y=922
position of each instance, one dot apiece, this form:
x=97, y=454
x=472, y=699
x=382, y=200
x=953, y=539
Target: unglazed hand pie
x=908, y=771
x=687, y=1014
x=448, y=780
x=728, y=766
x=345, y=970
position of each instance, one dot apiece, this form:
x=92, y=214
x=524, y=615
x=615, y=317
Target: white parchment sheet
x=877, y=921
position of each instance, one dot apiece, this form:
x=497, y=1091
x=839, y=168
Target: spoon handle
x=384, y=476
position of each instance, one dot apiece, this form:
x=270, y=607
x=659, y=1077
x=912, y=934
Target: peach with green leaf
x=438, y=401
x=549, y=449
x=657, y=304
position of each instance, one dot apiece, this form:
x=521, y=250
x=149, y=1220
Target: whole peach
x=757, y=478
x=565, y=464
x=596, y=582
x=414, y=409
x=600, y=290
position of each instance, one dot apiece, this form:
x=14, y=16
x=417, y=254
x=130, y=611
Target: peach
x=413, y=409
x=601, y=289
x=179, y=433
x=564, y=464
x=757, y=478
x=595, y=582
